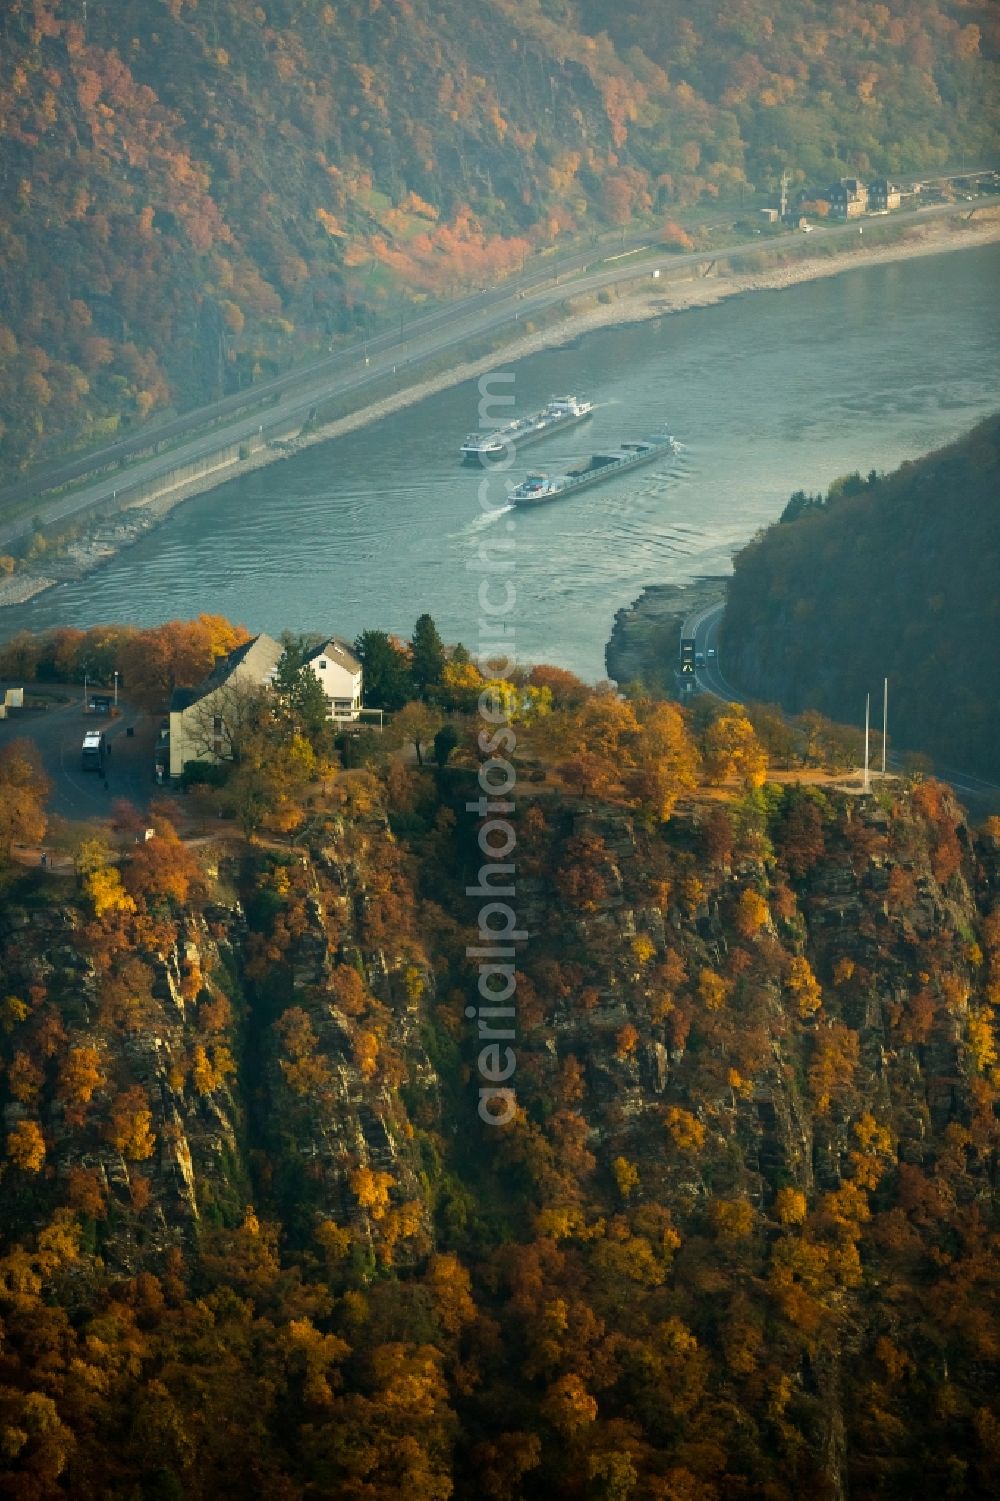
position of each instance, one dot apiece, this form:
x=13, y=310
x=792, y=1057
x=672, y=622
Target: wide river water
x=768, y=393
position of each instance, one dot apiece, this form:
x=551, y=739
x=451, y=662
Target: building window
x=217, y=724
x=321, y=665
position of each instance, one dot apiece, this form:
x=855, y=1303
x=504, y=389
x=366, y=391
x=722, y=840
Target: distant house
x=339, y=675
x=848, y=198
x=204, y=722
x=769, y=215
x=883, y=196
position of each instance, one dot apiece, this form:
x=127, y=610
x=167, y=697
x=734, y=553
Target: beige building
x=339, y=674
x=205, y=722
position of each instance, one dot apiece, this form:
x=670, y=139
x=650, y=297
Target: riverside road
x=280, y=404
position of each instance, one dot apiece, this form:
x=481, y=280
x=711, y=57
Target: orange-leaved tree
x=177, y=653
x=23, y=790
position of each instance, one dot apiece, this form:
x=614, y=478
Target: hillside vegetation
x=894, y=575
x=737, y=1239
x=197, y=191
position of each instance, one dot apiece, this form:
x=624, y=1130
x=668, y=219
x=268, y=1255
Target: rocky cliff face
x=141, y=1128
x=749, y=1053
x=350, y=997
x=157, y=1068
x=737, y=1241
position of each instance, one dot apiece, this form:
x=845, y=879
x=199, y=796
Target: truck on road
x=94, y=751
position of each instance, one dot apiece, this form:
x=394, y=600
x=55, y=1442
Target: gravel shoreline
x=632, y=305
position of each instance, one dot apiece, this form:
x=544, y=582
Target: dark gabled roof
x=225, y=667
x=338, y=651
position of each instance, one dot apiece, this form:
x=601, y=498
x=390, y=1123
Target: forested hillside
x=894, y=575
x=737, y=1239
x=196, y=191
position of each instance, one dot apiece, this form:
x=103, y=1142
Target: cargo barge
x=538, y=488
x=560, y=412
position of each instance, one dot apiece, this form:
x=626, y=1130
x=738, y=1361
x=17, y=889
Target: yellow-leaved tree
x=665, y=760
x=371, y=1189
x=733, y=750
x=130, y=1125
x=569, y=1407
x=751, y=913
x=26, y=1146
x=804, y=986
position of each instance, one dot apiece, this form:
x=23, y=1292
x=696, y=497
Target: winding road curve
x=704, y=627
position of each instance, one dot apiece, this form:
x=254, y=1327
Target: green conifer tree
x=428, y=658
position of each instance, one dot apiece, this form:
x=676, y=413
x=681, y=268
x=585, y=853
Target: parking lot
x=57, y=731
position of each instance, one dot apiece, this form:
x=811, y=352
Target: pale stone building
x=205, y=721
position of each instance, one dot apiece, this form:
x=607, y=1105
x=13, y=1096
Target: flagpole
x=868, y=700
x=885, y=720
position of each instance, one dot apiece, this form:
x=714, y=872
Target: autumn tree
x=304, y=1068
x=665, y=759
x=451, y=1289
x=81, y=1075
x=163, y=868
x=752, y=912
x=416, y=724
x=100, y=879
x=595, y=744
x=732, y=750
x=790, y=1206
x=371, y=1187
x=626, y=1176
x=803, y=985
x=176, y=654
x=126, y=995
x=129, y=1127
x=687, y=1131
x=835, y=1057
x=460, y=685
x=800, y=834
x=567, y=690
x=569, y=1407
x=23, y=790
x=674, y=237
x=732, y=1219
x=26, y=1146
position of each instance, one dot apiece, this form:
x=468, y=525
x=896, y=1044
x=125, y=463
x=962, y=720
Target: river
x=767, y=393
